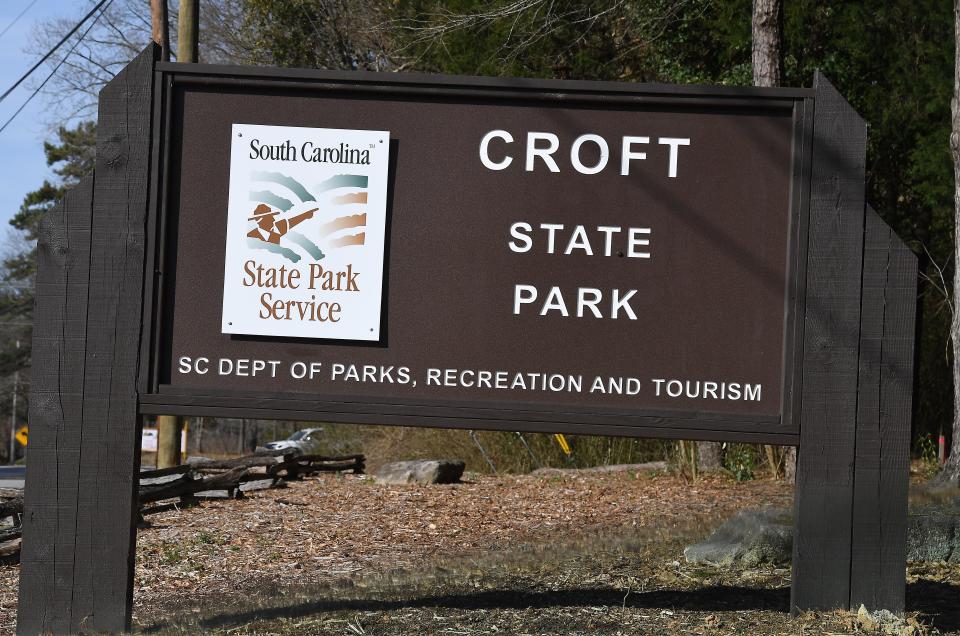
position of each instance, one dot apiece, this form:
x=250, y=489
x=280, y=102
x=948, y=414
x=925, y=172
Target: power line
x=54, y=49
x=20, y=15
x=55, y=68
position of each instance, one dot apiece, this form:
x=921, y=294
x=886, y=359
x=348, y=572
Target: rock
x=752, y=537
x=933, y=533
x=612, y=468
x=431, y=471
x=748, y=539
x=867, y=622
x=885, y=622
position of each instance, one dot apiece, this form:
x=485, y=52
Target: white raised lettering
x=575, y=154
x=628, y=154
x=534, y=151
x=485, y=150
x=674, y=143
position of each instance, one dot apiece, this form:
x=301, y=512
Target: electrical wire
x=20, y=15
x=54, y=49
x=55, y=68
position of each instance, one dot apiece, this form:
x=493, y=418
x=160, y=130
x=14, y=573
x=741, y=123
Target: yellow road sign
x=564, y=446
x=21, y=435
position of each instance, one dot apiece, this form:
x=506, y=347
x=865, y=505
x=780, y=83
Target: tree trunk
x=709, y=457
x=951, y=471
x=790, y=464
x=767, y=25
x=767, y=31
x=767, y=42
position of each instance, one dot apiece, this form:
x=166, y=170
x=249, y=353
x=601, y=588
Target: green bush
x=740, y=460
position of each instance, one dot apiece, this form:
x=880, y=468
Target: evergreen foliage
x=71, y=156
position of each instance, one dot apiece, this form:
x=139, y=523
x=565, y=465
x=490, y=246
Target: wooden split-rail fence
x=200, y=478
x=232, y=477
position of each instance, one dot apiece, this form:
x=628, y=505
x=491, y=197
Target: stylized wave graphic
x=298, y=240
x=306, y=244
x=265, y=196
x=342, y=223
x=287, y=182
x=352, y=239
x=257, y=244
x=342, y=181
x=347, y=199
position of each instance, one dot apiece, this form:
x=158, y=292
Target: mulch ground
x=561, y=554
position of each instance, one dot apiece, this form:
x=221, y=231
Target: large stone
x=753, y=537
x=748, y=539
x=933, y=532
x=428, y=471
x=609, y=468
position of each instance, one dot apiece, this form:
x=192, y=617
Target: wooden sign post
x=576, y=257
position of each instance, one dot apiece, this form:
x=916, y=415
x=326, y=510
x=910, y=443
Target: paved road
x=12, y=476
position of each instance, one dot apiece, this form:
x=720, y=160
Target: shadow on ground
x=935, y=601
x=938, y=603
x=715, y=599
x=598, y=585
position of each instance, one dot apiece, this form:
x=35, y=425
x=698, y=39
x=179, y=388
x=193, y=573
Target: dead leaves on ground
x=592, y=553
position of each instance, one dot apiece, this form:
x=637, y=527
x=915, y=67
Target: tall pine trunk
x=768, y=71
x=709, y=457
x=767, y=42
x=951, y=472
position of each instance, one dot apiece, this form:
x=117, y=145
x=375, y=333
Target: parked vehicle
x=306, y=439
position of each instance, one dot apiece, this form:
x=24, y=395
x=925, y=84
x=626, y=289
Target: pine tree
x=71, y=156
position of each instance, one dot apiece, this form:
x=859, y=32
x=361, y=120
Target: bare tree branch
x=121, y=33
x=632, y=25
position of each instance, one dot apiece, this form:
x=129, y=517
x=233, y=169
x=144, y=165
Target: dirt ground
x=563, y=554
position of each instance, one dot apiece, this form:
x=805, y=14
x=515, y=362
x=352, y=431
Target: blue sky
x=22, y=165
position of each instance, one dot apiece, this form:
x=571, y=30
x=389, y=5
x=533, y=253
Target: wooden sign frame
x=847, y=382
x=511, y=415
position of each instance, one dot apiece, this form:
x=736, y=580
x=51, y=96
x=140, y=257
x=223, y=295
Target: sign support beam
x=79, y=525
x=852, y=467
x=831, y=327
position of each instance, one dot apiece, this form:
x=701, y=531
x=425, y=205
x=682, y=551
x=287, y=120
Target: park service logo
x=306, y=224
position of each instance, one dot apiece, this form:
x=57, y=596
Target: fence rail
x=187, y=482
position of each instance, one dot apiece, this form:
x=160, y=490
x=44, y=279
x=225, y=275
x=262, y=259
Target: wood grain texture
x=824, y=482
x=110, y=455
x=38, y=555
x=77, y=561
x=897, y=382
x=53, y=456
x=868, y=531
x=878, y=569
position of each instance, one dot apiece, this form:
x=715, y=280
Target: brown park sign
x=591, y=258
x=689, y=262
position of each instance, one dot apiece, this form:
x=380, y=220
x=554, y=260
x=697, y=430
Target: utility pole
x=13, y=415
x=170, y=427
x=187, y=31
x=159, y=20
